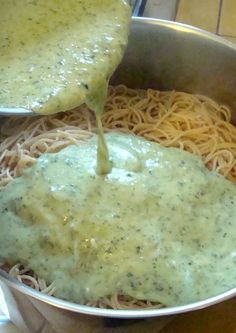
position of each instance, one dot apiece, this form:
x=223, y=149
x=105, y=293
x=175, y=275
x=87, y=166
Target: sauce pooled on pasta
x=159, y=226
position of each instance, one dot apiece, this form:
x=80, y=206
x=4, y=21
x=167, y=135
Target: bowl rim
x=141, y=313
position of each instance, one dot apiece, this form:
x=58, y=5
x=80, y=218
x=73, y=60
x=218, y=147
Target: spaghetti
x=190, y=122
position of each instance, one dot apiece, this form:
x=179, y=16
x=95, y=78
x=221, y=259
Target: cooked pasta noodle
x=174, y=119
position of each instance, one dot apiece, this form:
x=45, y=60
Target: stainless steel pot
x=163, y=55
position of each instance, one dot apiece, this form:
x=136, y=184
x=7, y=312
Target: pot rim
x=124, y=314
x=186, y=28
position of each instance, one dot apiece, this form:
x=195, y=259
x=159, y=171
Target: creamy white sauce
x=159, y=226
